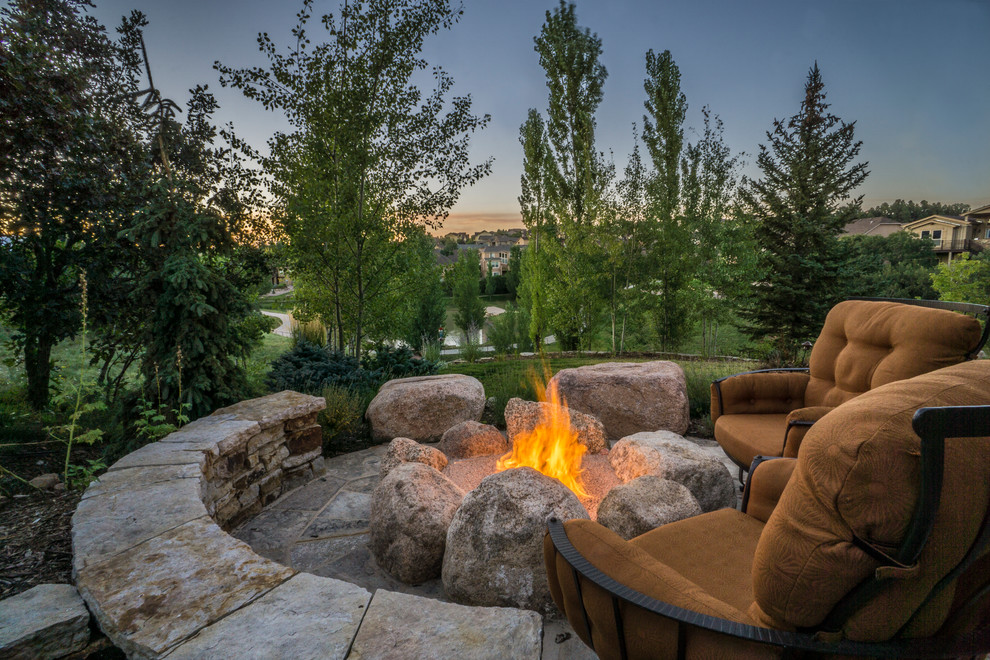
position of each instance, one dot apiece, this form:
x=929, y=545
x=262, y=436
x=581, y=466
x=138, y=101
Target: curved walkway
x=284, y=330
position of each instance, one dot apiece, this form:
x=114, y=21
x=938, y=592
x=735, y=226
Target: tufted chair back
x=866, y=344
x=850, y=500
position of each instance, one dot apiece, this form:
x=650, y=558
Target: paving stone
x=271, y=531
x=364, y=463
x=161, y=592
x=117, y=480
x=363, y=485
x=46, y=621
x=311, y=497
x=310, y=555
x=328, y=526
x=306, y=617
x=275, y=408
x=361, y=568
x=570, y=646
x=106, y=525
x=349, y=506
x=404, y=626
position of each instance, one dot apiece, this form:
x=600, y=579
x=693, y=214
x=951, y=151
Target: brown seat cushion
x=714, y=550
x=649, y=635
x=866, y=344
x=857, y=472
x=744, y=437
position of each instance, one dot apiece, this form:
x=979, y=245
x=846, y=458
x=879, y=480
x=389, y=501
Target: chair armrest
x=764, y=488
x=799, y=422
x=763, y=391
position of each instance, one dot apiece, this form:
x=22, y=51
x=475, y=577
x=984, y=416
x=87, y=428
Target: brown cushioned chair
x=864, y=344
x=878, y=545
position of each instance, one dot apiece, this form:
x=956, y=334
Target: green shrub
x=388, y=362
x=506, y=380
x=309, y=368
x=432, y=351
x=502, y=332
x=313, y=332
x=699, y=377
x=343, y=414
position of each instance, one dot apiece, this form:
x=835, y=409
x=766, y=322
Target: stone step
x=47, y=621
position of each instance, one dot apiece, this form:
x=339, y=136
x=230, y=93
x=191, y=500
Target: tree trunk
x=37, y=363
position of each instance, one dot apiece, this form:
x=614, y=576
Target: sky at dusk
x=914, y=75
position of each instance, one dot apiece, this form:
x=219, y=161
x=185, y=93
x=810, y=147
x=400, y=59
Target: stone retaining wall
x=162, y=577
x=150, y=556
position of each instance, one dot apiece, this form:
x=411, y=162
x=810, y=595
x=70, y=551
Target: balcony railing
x=958, y=245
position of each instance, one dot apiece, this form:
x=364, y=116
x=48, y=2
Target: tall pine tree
x=800, y=205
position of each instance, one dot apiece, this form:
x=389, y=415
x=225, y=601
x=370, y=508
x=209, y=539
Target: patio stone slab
x=306, y=617
x=46, y=621
x=125, y=479
x=276, y=408
x=404, y=626
x=349, y=505
x=271, y=531
x=109, y=524
x=363, y=485
x=164, y=453
x=570, y=646
x=313, y=496
x=309, y=556
x=163, y=591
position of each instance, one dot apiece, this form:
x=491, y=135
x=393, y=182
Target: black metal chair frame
x=933, y=426
x=966, y=308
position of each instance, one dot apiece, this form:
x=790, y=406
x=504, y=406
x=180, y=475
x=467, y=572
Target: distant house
x=952, y=234
x=880, y=226
x=496, y=257
x=484, y=237
x=979, y=218
x=459, y=236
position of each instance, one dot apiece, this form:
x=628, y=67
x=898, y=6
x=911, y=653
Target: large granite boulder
x=668, y=455
x=469, y=439
x=424, y=407
x=645, y=503
x=628, y=397
x=411, y=509
x=494, y=552
x=523, y=416
x=404, y=450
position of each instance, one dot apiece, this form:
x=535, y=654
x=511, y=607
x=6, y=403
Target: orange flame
x=552, y=447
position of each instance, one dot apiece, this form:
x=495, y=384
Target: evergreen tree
x=577, y=177
x=512, y=278
x=470, y=313
x=668, y=234
x=903, y=212
x=723, y=241
x=800, y=205
x=534, y=203
x=431, y=310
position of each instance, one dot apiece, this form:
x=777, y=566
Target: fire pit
x=477, y=514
